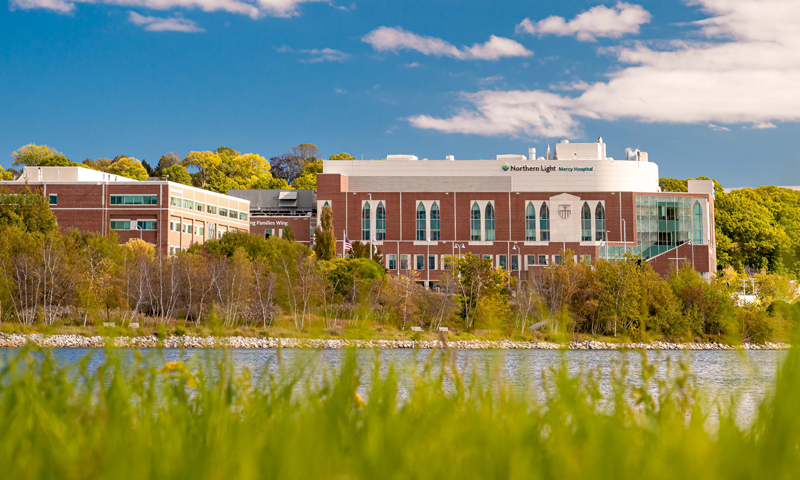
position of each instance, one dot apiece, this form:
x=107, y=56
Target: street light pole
x=370, y=226
x=515, y=246
x=624, y=238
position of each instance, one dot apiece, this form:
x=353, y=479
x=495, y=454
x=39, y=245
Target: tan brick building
x=169, y=215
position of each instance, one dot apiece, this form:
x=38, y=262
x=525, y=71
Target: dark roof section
x=288, y=202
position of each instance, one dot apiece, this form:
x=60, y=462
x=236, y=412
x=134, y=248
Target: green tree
x=26, y=210
x=747, y=231
x=33, y=155
x=148, y=168
x=325, y=246
x=177, y=174
x=167, y=160
x=4, y=175
x=128, y=167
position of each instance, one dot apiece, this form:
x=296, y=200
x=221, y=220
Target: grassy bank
x=125, y=421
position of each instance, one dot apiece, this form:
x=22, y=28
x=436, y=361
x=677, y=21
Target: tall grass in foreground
x=137, y=421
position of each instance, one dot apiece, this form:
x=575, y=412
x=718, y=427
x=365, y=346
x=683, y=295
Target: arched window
x=475, y=223
x=697, y=221
x=421, y=223
x=544, y=223
x=489, y=222
x=600, y=223
x=436, y=230
x=365, y=233
x=586, y=223
x=530, y=223
x=380, y=222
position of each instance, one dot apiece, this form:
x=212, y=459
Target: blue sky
x=706, y=88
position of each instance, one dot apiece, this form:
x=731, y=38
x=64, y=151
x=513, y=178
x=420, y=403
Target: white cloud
x=599, y=21
x=325, y=55
x=156, y=24
x=412, y=65
x=340, y=91
x=490, y=80
x=718, y=128
x=394, y=39
x=748, y=72
x=762, y=125
x=317, y=55
x=251, y=8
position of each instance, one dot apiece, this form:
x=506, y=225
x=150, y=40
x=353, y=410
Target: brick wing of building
x=169, y=215
x=521, y=212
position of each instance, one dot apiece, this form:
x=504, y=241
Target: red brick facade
x=262, y=225
x=86, y=207
x=509, y=224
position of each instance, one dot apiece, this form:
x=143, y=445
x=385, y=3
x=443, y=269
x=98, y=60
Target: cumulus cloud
x=156, y=24
x=762, y=125
x=746, y=72
x=599, y=21
x=394, y=39
x=251, y=8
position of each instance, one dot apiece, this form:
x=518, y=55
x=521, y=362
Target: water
x=721, y=375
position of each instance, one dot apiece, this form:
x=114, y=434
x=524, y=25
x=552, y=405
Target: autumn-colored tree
x=205, y=163
x=128, y=167
x=177, y=174
x=33, y=155
x=342, y=156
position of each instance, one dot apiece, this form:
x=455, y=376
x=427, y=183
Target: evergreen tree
x=325, y=247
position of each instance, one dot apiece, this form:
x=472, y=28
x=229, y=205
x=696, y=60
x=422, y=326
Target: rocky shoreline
x=79, y=341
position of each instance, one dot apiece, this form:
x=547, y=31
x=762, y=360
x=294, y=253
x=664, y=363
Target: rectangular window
x=199, y=207
x=542, y=259
x=431, y=262
x=212, y=209
x=419, y=263
x=586, y=259
x=223, y=212
x=446, y=260
x=242, y=216
x=212, y=230
x=136, y=200
x=514, y=263
x=188, y=204
x=404, y=262
x=120, y=224
x=487, y=257
x=174, y=202
x=502, y=262
x=53, y=199
x=147, y=224
x=233, y=214
x=557, y=259
x=531, y=259
x=391, y=262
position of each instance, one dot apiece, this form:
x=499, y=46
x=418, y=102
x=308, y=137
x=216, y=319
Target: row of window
x=483, y=222
x=194, y=229
x=419, y=263
x=134, y=199
x=137, y=224
x=212, y=209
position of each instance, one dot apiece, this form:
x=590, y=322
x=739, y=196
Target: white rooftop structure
x=578, y=167
x=68, y=174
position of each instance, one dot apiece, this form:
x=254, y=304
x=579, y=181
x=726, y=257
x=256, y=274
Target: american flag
x=348, y=247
